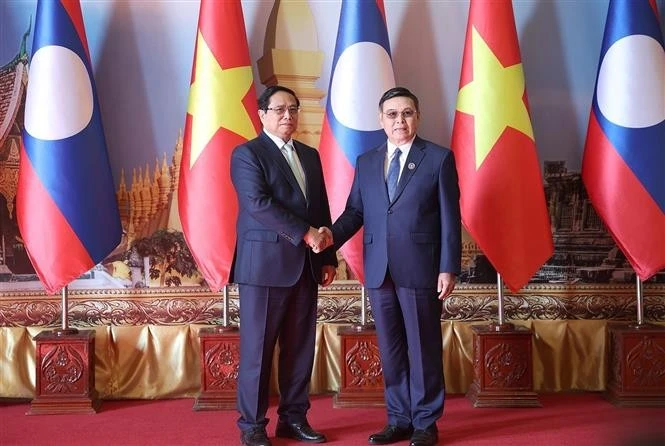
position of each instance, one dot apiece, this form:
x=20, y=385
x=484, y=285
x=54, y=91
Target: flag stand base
x=65, y=373
x=502, y=366
x=220, y=361
x=361, y=373
x=636, y=369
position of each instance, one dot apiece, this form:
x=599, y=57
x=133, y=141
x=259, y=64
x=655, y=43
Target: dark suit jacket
x=274, y=216
x=418, y=235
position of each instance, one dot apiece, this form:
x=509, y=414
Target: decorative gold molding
x=339, y=302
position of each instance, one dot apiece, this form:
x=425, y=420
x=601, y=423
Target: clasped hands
x=319, y=239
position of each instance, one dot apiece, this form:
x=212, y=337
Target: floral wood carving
x=646, y=363
x=222, y=362
x=61, y=369
x=363, y=363
x=505, y=364
x=339, y=302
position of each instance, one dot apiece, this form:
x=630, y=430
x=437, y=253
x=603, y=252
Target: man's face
x=399, y=119
x=280, y=118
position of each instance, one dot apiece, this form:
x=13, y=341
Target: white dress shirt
x=402, y=158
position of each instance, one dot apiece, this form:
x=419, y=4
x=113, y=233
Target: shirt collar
x=404, y=147
x=279, y=142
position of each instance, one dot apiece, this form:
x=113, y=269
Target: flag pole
x=226, y=326
x=501, y=324
x=225, y=306
x=640, y=303
x=364, y=325
x=65, y=330
x=363, y=306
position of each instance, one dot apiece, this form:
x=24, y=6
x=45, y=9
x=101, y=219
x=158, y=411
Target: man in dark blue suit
x=282, y=201
x=405, y=195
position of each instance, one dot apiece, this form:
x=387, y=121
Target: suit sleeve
x=451, y=222
x=351, y=219
x=255, y=197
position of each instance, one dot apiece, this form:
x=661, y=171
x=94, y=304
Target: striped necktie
x=393, y=174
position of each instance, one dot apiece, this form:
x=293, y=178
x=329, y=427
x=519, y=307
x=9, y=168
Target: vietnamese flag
x=221, y=114
x=502, y=196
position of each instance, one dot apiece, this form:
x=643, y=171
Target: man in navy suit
x=405, y=195
x=282, y=201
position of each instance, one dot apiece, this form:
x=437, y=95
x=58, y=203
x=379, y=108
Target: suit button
x=390, y=211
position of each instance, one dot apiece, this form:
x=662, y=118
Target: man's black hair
x=264, y=99
x=398, y=92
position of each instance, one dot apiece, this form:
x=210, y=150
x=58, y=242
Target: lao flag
x=66, y=205
x=361, y=72
x=624, y=156
x=221, y=114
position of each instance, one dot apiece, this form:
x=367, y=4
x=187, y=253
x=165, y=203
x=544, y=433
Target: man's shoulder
x=251, y=144
x=425, y=143
x=374, y=151
x=305, y=146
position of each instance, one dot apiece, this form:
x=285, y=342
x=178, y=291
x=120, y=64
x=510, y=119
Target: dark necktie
x=393, y=174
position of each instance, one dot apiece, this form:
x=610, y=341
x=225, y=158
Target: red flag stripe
x=60, y=258
x=637, y=224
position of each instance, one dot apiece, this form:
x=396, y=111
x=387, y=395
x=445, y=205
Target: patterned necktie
x=291, y=157
x=393, y=174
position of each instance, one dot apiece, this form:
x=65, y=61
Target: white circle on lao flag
x=363, y=73
x=59, y=100
x=631, y=82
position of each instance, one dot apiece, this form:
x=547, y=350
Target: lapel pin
x=411, y=166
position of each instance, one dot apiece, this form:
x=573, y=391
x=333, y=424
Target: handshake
x=318, y=239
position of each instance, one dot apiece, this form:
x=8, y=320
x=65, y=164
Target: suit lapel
x=307, y=171
x=416, y=155
x=378, y=176
x=275, y=154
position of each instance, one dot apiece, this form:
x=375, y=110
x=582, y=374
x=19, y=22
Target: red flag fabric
x=624, y=155
x=221, y=114
x=66, y=206
x=502, y=196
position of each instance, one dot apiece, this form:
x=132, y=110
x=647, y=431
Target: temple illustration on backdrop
x=583, y=249
x=147, y=198
x=13, y=82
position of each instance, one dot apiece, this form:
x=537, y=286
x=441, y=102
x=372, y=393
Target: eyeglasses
x=279, y=111
x=406, y=114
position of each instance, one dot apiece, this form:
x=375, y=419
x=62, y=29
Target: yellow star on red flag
x=494, y=98
x=215, y=100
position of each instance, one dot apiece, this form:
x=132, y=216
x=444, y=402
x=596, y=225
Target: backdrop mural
x=142, y=53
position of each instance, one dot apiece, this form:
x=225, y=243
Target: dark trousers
x=266, y=314
x=408, y=326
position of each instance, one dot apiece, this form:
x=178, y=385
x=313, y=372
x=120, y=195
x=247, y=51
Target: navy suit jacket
x=418, y=235
x=273, y=214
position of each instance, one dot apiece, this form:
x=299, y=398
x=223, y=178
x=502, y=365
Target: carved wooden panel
x=339, y=302
x=637, y=367
x=220, y=362
x=503, y=371
x=362, y=363
x=506, y=359
x=61, y=369
x=65, y=373
x=361, y=375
